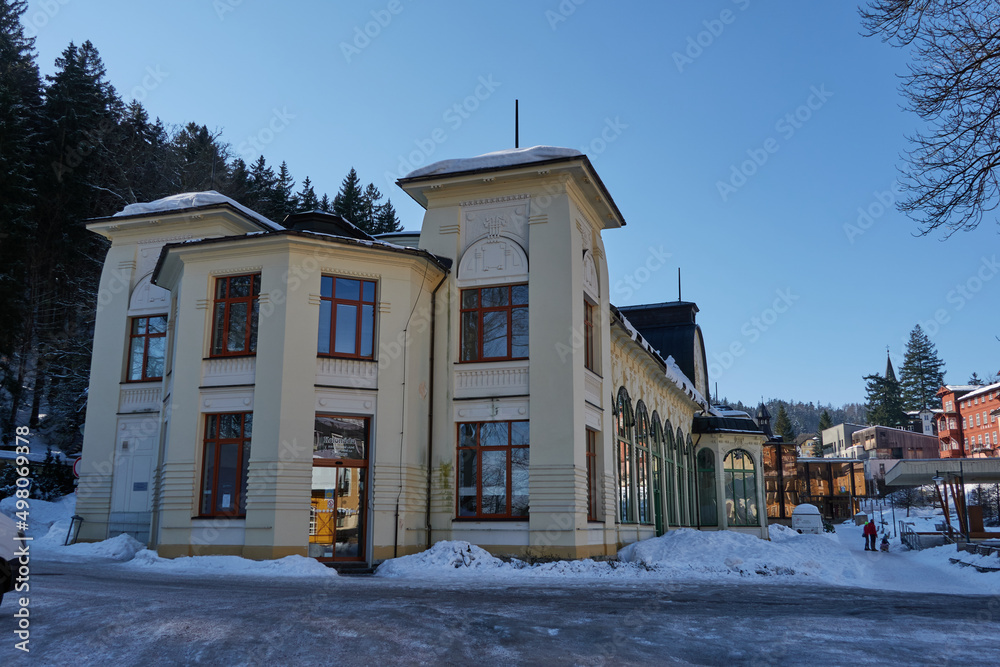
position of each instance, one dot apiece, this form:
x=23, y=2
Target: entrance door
x=337, y=516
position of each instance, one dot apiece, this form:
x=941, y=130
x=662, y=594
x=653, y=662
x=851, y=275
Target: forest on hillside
x=72, y=148
x=805, y=416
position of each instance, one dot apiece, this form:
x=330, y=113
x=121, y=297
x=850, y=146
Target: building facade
x=263, y=390
x=838, y=443
x=883, y=442
x=967, y=425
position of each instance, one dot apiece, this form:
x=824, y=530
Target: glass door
x=337, y=516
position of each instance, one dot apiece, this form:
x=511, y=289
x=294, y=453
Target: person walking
x=870, y=532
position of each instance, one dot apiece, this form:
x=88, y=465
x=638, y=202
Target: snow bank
x=289, y=566
x=121, y=548
x=43, y=516
x=191, y=200
x=443, y=557
x=495, y=160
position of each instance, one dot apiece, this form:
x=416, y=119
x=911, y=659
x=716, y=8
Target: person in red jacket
x=870, y=532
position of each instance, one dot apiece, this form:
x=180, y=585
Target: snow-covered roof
x=979, y=390
x=186, y=200
x=496, y=160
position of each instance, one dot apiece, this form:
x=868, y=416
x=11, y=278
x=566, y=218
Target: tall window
x=147, y=348
x=624, y=421
x=671, y=474
x=346, y=317
x=588, y=334
x=495, y=323
x=234, y=324
x=226, y=462
x=741, y=489
x=493, y=470
x=692, y=474
x=592, y=494
x=642, y=463
x=684, y=510
x=708, y=504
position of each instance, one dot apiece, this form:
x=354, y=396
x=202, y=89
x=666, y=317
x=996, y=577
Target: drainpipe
x=430, y=414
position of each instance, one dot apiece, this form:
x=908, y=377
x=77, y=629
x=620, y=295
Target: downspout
x=430, y=414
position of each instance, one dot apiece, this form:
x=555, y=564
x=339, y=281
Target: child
x=884, y=546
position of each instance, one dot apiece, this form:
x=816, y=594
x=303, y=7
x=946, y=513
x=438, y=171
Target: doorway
x=337, y=513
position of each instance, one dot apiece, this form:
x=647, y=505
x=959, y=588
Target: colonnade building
x=264, y=389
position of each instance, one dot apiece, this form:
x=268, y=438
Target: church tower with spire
x=890, y=374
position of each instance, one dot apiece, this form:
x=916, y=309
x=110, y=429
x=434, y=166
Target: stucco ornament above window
x=492, y=260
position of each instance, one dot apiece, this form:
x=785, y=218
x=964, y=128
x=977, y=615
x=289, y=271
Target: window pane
x=256, y=284
x=254, y=316
x=220, y=288
x=470, y=298
x=494, y=334
x=247, y=427
x=219, y=330
x=369, y=291
x=519, y=433
x=470, y=340
x=225, y=489
x=467, y=435
x=494, y=296
x=367, y=330
x=138, y=325
x=348, y=289
x=493, y=434
x=154, y=356
x=519, y=333
x=467, y=483
x=229, y=425
x=494, y=482
x=135, y=358
x=237, y=340
x=519, y=295
x=519, y=481
x=326, y=286
x=158, y=325
x=346, y=334
x=239, y=287
x=208, y=479
x=212, y=426
x=325, y=310
x=243, y=478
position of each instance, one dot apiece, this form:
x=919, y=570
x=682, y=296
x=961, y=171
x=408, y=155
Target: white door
x=133, y=475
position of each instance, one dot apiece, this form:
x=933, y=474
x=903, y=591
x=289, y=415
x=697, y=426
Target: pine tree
x=262, y=195
x=783, y=425
x=349, y=200
x=325, y=205
x=284, y=190
x=825, y=422
x=386, y=220
x=883, y=403
x=370, y=199
x=922, y=373
x=238, y=186
x=307, y=197
x=975, y=380
x=201, y=159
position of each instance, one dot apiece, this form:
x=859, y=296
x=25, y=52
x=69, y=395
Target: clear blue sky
x=775, y=242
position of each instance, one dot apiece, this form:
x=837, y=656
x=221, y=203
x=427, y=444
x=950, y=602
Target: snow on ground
x=684, y=554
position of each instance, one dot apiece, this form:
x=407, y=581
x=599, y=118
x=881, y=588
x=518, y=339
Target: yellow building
x=263, y=390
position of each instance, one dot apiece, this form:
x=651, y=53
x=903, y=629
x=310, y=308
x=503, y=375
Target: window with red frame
x=495, y=323
x=493, y=470
x=226, y=463
x=147, y=348
x=235, y=313
x=592, y=494
x=588, y=334
x=346, y=317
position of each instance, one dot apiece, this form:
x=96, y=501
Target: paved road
x=100, y=613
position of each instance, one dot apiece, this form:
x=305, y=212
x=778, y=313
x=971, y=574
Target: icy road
x=97, y=612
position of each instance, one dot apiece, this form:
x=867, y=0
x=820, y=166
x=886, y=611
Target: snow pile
x=289, y=566
x=191, y=200
x=443, y=557
x=699, y=554
x=122, y=548
x=45, y=519
x=496, y=160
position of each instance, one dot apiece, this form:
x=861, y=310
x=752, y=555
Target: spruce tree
x=884, y=403
x=783, y=425
x=284, y=190
x=349, y=200
x=825, y=422
x=975, y=380
x=325, y=205
x=307, y=197
x=262, y=195
x=386, y=220
x=922, y=373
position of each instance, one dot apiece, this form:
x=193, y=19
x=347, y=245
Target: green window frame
x=739, y=472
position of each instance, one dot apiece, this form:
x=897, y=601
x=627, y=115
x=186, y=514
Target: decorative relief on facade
x=491, y=260
x=591, y=278
x=148, y=298
x=140, y=399
x=491, y=410
x=475, y=380
x=227, y=400
x=495, y=218
x=344, y=401
x=228, y=371
x=338, y=372
x=592, y=387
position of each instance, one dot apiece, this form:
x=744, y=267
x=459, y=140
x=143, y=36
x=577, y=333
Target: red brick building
x=968, y=426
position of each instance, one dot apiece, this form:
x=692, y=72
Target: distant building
x=837, y=442
x=882, y=442
x=967, y=424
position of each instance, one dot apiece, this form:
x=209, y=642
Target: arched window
x=624, y=421
x=642, y=463
x=741, y=489
x=682, y=504
x=708, y=504
x=671, y=474
x=692, y=476
x=657, y=485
